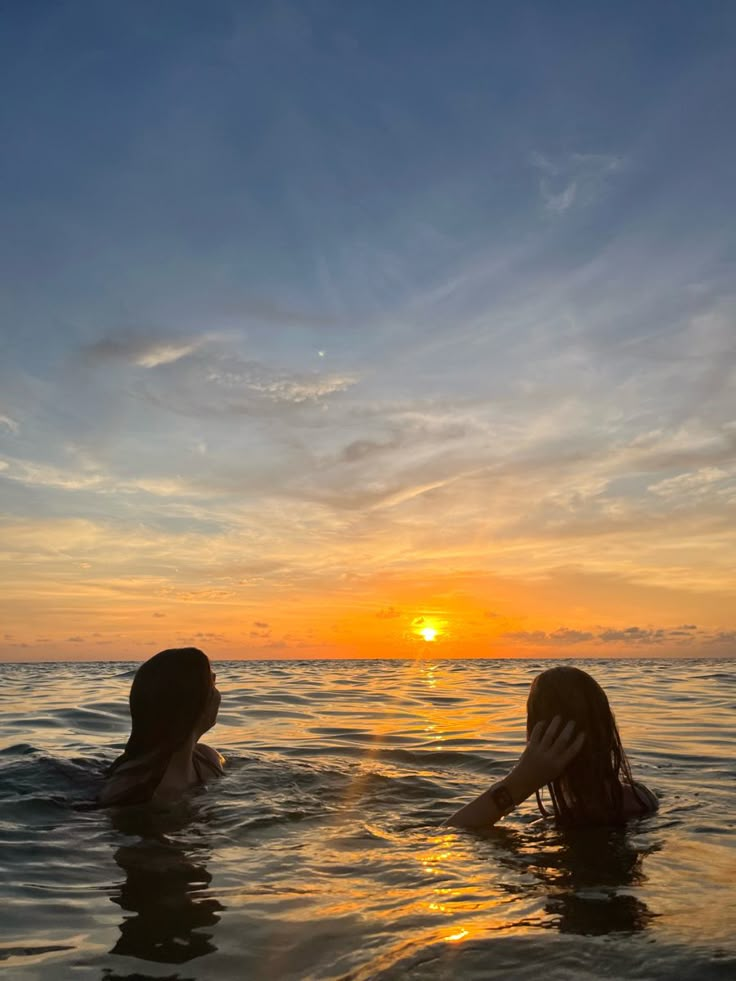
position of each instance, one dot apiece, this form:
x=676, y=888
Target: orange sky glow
x=65, y=611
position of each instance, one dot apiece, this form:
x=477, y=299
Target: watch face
x=503, y=798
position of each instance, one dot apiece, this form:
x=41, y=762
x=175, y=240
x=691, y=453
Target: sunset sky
x=367, y=329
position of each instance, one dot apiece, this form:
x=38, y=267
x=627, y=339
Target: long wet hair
x=167, y=699
x=590, y=790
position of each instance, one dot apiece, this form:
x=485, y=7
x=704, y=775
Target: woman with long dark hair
x=173, y=701
x=574, y=750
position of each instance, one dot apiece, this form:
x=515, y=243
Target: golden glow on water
x=330, y=819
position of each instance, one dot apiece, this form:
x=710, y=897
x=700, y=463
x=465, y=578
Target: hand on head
x=550, y=748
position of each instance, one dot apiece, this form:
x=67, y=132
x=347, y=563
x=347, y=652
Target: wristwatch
x=503, y=799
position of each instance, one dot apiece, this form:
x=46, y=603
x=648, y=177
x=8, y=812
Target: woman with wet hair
x=574, y=750
x=173, y=701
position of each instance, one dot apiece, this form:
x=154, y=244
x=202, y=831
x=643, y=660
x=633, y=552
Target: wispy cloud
x=139, y=349
x=575, y=179
x=211, y=376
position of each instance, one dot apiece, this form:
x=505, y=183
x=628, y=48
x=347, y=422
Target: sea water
x=321, y=854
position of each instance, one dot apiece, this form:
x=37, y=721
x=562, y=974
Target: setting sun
x=429, y=628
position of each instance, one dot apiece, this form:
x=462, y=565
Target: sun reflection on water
x=328, y=823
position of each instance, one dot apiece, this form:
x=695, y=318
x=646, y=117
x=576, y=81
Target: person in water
x=574, y=749
x=173, y=701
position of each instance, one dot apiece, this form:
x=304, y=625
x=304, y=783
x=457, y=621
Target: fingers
x=564, y=737
x=574, y=748
x=557, y=741
x=535, y=735
x=549, y=732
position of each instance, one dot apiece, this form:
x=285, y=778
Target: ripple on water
x=321, y=853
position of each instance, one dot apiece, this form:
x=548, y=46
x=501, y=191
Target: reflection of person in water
x=173, y=701
x=574, y=749
x=587, y=875
x=167, y=890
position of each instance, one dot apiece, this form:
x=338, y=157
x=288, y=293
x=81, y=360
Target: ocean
x=321, y=854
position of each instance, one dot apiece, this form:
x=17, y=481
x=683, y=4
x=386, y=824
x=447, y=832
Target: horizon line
x=300, y=660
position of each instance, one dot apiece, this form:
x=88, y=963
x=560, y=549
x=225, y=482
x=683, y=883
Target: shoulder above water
x=210, y=756
x=639, y=800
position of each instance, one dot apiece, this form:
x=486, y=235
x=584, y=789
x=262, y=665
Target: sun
x=429, y=628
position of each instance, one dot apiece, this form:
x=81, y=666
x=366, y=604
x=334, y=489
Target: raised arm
x=549, y=750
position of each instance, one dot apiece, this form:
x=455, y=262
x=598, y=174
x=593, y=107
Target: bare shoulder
x=211, y=756
x=639, y=800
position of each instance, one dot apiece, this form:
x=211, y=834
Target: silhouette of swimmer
x=173, y=701
x=574, y=749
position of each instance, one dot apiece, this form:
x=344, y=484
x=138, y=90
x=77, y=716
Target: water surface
x=321, y=853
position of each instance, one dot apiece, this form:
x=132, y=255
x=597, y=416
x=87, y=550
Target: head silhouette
x=589, y=790
x=168, y=700
x=173, y=700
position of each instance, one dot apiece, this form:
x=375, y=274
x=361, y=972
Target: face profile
x=208, y=716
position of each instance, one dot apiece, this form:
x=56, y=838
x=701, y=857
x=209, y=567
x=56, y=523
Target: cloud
x=220, y=382
x=163, y=354
x=45, y=475
x=388, y=613
x=93, y=479
x=688, y=485
x=361, y=449
x=141, y=350
x=574, y=178
x=634, y=635
x=626, y=635
x=300, y=388
x=262, y=630
x=563, y=635
x=723, y=637
x=567, y=636
x=9, y=423
x=561, y=201
x=528, y=636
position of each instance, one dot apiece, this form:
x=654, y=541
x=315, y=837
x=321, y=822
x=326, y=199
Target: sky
x=336, y=329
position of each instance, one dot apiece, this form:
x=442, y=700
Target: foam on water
x=321, y=853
